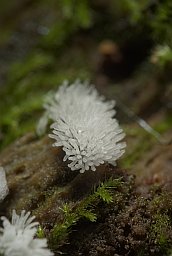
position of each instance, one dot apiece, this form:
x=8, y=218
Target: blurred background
x=123, y=47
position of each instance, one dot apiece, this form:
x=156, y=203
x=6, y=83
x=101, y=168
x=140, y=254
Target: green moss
x=20, y=118
x=33, y=63
x=131, y=225
x=72, y=16
x=57, y=35
x=28, y=79
x=158, y=229
x=27, y=83
x=84, y=209
x=40, y=232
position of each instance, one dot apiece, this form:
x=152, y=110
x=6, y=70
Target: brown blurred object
x=111, y=49
x=110, y=61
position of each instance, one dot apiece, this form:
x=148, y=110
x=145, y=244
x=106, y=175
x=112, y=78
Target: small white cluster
x=17, y=237
x=3, y=184
x=84, y=126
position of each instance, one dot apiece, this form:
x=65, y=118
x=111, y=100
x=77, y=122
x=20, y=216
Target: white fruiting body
x=84, y=126
x=3, y=184
x=17, y=237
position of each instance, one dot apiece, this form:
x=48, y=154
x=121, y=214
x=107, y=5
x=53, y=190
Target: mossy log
x=95, y=213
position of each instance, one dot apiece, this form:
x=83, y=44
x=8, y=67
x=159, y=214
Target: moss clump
x=84, y=210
